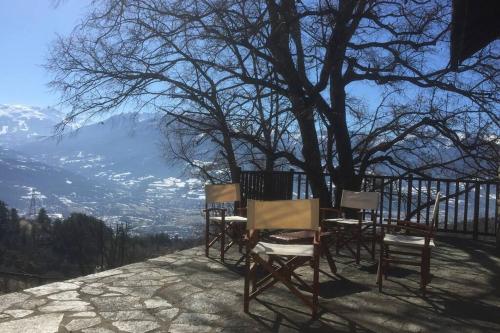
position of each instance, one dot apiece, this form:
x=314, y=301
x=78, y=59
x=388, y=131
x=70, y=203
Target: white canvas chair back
x=360, y=200
x=283, y=214
x=222, y=193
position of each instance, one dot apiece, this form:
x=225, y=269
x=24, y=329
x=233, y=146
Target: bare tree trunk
x=312, y=155
x=270, y=160
x=234, y=169
x=497, y=226
x=346, y=176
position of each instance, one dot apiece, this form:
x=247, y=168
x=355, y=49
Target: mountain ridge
x=120, y=156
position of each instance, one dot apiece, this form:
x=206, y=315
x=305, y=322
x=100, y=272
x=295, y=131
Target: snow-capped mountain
x=120, y=143
x=61, y=190
x=22, y=124
x=114, y=169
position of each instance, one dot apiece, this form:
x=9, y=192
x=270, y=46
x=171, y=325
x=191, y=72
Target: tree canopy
x=346, y=87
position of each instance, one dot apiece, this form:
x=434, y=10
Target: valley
x=114, y=170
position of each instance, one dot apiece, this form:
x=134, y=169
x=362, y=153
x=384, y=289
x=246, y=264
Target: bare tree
x=311, y=58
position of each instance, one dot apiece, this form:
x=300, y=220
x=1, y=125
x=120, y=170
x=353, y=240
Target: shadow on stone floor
x=187, y=292
x=485, y=253
x=281, y=318
x=340, y=287
x=399, y=272
x=456, y=300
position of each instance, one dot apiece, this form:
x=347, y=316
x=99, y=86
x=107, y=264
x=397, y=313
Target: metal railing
x=466, y=206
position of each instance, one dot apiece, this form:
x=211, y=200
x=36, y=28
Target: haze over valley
x=113, y=169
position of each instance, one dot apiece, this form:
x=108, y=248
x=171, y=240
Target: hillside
x=20, y=124
x=113, y=169
x=55, y=187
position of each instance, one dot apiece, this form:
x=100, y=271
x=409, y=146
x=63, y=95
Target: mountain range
x=113, y=169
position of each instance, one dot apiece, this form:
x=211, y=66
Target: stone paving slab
x=187, y=292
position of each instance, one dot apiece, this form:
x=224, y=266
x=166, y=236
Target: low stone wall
x=9, y=284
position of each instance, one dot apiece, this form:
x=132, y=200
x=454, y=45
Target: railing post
x=239, y=174
x=409, y=190
x=475, y=227
x=497, y=225
x=292, y=176
x=268, y=188
x=497, y=208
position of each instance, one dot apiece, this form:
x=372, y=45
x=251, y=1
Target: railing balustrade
x=467, y=206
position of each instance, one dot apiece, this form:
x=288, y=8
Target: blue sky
x=27, y=28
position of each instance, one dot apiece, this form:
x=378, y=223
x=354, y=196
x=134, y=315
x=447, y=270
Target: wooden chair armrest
x=408, y=223
x=208, y=210
x=414, y=225
x=398, y=227
x=331, y=209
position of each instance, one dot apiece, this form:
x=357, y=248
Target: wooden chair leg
x=315, y=288
x=246, y=295
x=329, y=258
x=428, y=266
x=207, y=235
x=386, y=263
x=374, y=241
x=422, y=270
x=380, y=267
x=338, y=239
x=253, y=277
x=240, y=235
x=422, y=283
x=425, y=269
x=222, y=240
x=358, y=243
x=379, y=275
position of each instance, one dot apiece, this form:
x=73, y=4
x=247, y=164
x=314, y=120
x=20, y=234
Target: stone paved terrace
x=186, y=292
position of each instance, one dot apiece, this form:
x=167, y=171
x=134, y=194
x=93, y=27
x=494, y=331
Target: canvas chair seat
x=232, y=218
x=299, y=250
x=347, y=221
x=406, y=240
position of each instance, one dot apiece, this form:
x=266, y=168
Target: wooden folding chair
x=218, y=223
x=359, y=230
x=282, y=259
x=410, y=239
